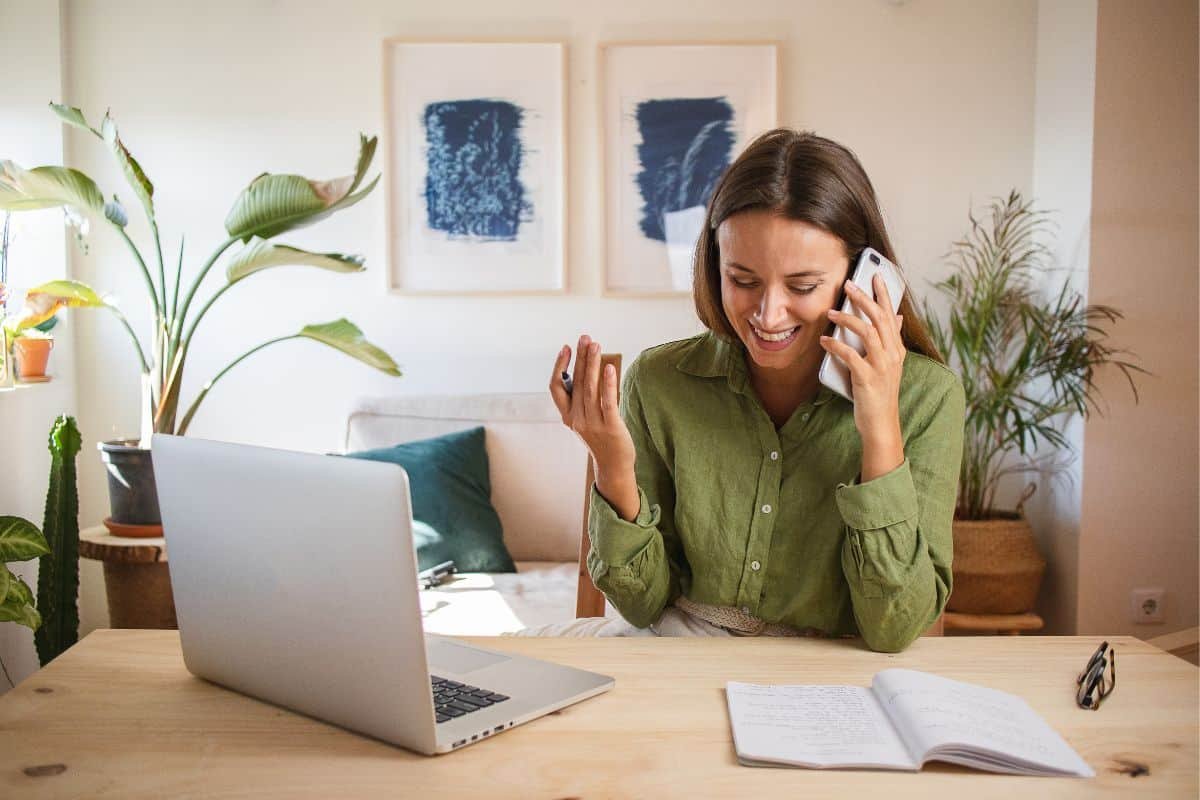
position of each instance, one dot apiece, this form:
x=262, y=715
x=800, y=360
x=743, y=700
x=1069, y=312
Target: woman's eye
x=804, y=289
x=743, y=284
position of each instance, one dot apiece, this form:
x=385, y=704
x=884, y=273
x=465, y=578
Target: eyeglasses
x=1093, y=685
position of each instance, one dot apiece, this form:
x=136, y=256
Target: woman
x=734, y=493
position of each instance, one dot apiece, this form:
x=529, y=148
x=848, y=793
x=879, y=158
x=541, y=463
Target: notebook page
x=933, y=713
x=813, y=726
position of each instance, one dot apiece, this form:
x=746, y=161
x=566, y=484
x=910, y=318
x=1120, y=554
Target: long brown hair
x=804, y=177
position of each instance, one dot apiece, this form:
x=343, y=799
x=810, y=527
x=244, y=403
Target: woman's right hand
x=591, y=410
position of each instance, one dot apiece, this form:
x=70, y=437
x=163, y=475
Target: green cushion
x=453, y=517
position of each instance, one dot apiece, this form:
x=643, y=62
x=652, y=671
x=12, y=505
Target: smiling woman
x=734, y=493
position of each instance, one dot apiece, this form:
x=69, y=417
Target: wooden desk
x=118, y=716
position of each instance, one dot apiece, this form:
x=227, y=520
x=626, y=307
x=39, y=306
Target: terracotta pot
x=997, y=566
x=31, y=356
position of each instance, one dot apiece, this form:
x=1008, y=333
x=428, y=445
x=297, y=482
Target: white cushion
x=537, y=466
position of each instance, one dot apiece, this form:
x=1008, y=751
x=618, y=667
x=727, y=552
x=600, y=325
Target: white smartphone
x=834, y=373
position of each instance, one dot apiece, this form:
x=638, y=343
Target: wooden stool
x=136, y=580
x=1007, y=624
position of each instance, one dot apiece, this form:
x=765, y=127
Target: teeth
x=774, y=337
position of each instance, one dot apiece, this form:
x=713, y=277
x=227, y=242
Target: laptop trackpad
x=460, y=658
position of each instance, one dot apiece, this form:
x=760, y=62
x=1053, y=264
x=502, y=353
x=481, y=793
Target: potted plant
x=31, y=353
x=1027, y=365
x=271, y=205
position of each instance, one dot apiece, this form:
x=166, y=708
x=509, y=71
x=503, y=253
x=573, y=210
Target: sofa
x=538, y=472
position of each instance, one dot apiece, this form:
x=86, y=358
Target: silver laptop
x=295, y=582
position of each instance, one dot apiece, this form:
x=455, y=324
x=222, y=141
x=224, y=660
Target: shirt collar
x=714, y=356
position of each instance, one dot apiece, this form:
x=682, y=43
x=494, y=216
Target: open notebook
x=904, y=720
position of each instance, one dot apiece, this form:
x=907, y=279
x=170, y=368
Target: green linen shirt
x=776, y=522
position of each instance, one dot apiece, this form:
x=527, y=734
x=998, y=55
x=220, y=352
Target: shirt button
x=774, y=455
x=766, y=509
x=804, y=417
x=754, y=565
x=745, y=609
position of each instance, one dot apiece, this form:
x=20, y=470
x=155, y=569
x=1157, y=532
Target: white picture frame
x=475, y=164
x=671, y=112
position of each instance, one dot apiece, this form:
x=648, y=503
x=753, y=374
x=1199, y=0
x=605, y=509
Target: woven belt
x=739, y=622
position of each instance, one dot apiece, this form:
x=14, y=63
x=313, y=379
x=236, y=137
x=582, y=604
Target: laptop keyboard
x=452, y=699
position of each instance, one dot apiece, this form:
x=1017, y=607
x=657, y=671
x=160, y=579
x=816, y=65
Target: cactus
x=58, y=571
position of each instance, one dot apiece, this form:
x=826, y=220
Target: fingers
x=609, y=407
x=864, y=330
x=844, y=352
x=581, y=359
x=558, y=392
x=581, y=355
x=892, y=342
x=863, y=302
x=591, y=385
x=885, y=336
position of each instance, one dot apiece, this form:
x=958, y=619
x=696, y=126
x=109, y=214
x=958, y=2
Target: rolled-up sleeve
x=637, y=564
x=898, y=546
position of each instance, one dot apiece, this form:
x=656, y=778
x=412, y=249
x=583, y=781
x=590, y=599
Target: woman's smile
x=774, y=341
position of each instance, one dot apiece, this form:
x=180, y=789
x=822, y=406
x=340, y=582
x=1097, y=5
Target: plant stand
x=136, y=581
x=1006, y=624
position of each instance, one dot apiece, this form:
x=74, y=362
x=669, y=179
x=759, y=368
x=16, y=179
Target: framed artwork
x=475, y=156
x=674, y=116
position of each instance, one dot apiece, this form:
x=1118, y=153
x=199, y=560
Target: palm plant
x=1027, y=363
x=269, y=206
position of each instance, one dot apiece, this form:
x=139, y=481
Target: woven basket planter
x=997, y=566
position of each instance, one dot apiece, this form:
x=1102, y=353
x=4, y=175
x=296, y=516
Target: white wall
x=209, y=95
x=1141, y=521
x=29, y=48
x=1062, y=185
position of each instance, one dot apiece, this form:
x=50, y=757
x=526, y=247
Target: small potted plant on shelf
x=1027, y=365
x=270, y=206
x=31, y=354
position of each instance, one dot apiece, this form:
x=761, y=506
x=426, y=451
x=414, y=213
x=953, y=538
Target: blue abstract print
x=473, y=155
x=686, y=145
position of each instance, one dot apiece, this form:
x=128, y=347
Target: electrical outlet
x=1146, y=605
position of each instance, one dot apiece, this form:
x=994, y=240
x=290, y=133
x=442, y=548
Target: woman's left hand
x=875, y=377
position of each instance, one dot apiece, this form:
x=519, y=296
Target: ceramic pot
x=132, y=494
x=31, y=356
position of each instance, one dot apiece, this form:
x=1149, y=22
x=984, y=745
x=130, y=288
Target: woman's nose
x=772, y=307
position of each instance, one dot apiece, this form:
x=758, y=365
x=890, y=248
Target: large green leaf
x=134, y=174
x=16, y=605
x=43, y=302
x=72, y=116
x=366, y=152
x=344, y=335
x=13, y=199
x=260, y=254
x=46, y=187
x=74, y=294
x=20, y=540
x=6, y=579
x=273, y=204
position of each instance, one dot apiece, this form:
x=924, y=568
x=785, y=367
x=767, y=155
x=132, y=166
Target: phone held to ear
x=834, y=373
